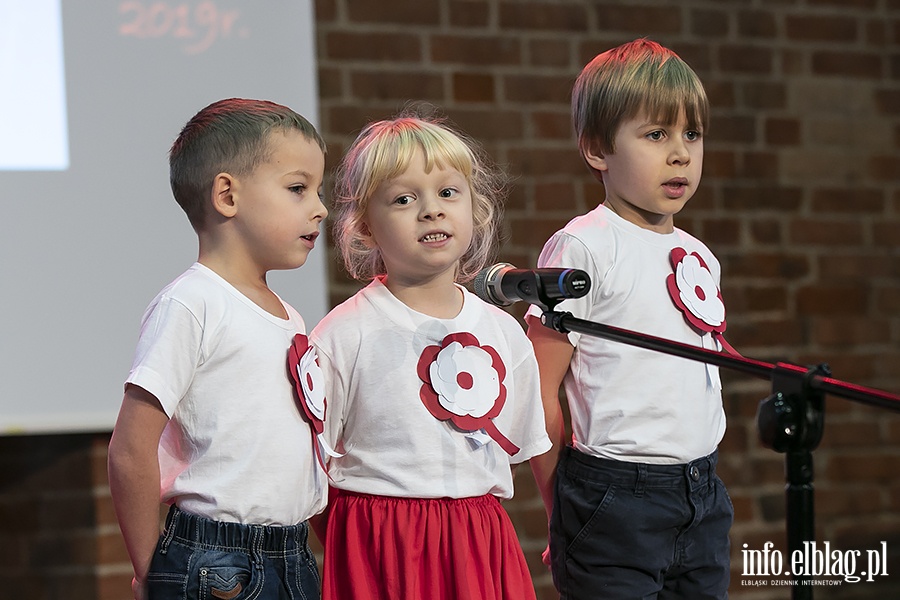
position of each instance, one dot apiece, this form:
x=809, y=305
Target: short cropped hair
x=640, y=76
x=384, y=150
x=229, y=136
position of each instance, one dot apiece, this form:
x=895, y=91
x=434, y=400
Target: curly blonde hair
x=384, y=150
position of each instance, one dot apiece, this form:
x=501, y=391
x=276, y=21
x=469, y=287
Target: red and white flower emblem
x=694, y=291
x=309, y=391
x=463, y=383
x=309, y=383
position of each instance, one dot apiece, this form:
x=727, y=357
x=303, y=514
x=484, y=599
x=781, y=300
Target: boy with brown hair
x=636, y=508
x=209, y=423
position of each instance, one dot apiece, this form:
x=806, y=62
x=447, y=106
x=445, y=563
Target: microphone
x=503, y=284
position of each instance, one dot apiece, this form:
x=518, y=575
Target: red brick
x=325, y=11
x=821, y=28
x=552, y=125
x=473, y=87
x=766, y=231
x=550, y=53
x=869, y=467
x=765, y=333
x=885, y=168
x=887, y=299
x=876, y=33
x=758, y=299
x=721, y=94
x=886, y=233
x=757, y=24
x=768, y=265
x=820, y=231
x=725, y=232
x=329, y=83
x=383, y=47
x=533, y=161
x=698, y=56
x=850, y=434
x=545, y=16
x=831, y=300
x=837, y=501
x=763, y=95
x=710, y=23
x=490, y=125
x=782, y=132
x=383, y=84
x=733, y=129
x=745, y=59
x=556, y=196
x=888, y=101
x=409, y=12
x=642, y=20
x=763, y=197
x=856, y=267
x=465, y=13
x=856, y=65
x=848, y=200
x=719, y=163
x=759, y=165
x=538, y=88
x=864, y=4
x=472, y=50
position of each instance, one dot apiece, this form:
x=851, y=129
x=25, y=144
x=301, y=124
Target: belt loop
x=641, y=480
x=169, y=531
x=256, y=545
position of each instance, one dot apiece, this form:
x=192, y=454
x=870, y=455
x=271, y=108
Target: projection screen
x=92, y=94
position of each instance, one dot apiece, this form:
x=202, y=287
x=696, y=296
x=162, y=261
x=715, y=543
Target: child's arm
x=134, y=478
x=553, y=352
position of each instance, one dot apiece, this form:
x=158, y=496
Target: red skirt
x=385, y=548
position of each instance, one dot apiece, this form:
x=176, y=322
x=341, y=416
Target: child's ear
x=223, y=200
x=595, y=158
x=366, y=234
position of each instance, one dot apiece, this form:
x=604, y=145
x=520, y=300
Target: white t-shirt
x=236, y=447
x=370, y=349
x=628, y=403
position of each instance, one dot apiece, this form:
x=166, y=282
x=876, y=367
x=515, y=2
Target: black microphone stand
x=790, y=421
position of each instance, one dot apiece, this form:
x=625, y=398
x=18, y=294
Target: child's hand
x=139, y=589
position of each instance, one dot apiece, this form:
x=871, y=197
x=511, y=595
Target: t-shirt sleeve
x=527, y=428
x=168, y=352
x=565, y=251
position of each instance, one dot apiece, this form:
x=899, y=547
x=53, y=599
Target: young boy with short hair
x=209, y=423
x=637, y=510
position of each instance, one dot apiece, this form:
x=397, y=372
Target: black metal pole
x=791, y=420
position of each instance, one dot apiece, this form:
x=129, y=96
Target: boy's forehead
x=291, y=152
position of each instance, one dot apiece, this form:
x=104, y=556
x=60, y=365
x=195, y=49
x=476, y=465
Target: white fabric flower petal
x=698, y=291
x=465, y=380
x=313, y=382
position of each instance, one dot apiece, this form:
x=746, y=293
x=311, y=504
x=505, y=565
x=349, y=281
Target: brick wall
x=800, y=200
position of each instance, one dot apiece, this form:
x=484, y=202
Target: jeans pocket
x=226, y=576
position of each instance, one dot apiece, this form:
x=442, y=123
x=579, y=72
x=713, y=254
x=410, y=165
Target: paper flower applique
x=695, y=293
x=309, y=388
x=463, y=383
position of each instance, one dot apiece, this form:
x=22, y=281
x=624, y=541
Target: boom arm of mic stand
x=790, y=421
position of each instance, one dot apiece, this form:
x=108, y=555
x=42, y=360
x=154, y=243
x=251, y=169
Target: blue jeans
x=200, y=559
x=635, y=530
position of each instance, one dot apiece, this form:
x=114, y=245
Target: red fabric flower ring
x=309, y=391
x=309, y=383
x=694, y=291
x=463, y=383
